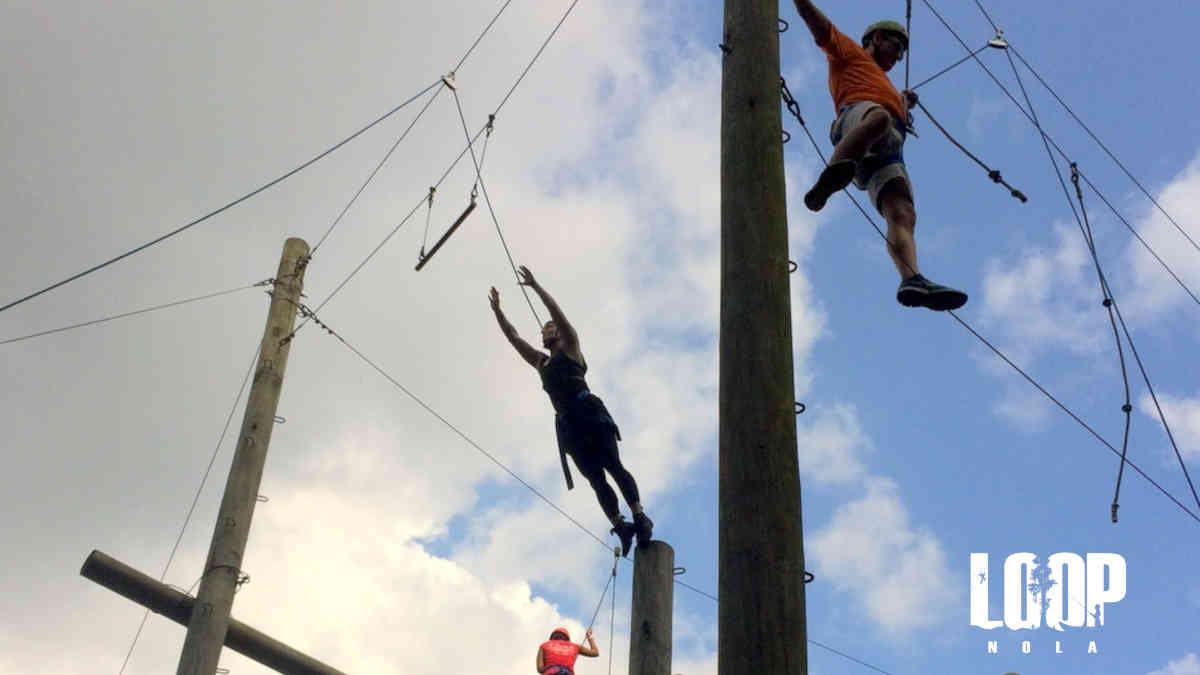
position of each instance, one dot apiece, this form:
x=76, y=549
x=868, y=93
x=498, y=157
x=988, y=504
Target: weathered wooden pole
x=214, y=600
x=761, y=573
x=176, y=606
x=653, y=606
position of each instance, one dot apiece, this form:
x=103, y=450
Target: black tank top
x=562, y=379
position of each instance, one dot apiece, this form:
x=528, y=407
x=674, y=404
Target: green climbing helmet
x=889, y=26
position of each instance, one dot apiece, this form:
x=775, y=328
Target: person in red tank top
x=557, y=655
x=868, y=137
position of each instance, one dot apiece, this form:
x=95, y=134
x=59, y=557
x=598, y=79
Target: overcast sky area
x=388, y=544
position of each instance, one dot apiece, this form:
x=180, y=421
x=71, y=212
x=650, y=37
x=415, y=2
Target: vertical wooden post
x=214, y=601
x=653, y=606
x=761, y=574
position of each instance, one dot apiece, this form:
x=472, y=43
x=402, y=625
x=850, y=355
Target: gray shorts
x=870, y=176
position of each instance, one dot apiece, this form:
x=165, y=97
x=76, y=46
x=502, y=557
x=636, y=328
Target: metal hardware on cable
x=726, y=49
x=280, y=419
x=998, y=42
x=428, y=216
x=448, y=80
x=790, y=101
x=678, y=571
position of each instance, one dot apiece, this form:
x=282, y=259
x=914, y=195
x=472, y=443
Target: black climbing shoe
x=625, y=531
x=917, y=291
x=643, y=527
x=835, y=177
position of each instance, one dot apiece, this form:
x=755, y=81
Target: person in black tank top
x=584, y=428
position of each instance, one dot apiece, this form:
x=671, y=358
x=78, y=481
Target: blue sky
x=387, y=538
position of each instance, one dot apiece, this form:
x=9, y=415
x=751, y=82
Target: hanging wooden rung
x=424, y=257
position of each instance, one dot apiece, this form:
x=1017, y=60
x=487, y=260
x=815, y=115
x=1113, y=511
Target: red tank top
x=559, y=653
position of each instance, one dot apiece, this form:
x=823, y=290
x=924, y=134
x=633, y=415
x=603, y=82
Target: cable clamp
x=998, y=42
x=448, y=80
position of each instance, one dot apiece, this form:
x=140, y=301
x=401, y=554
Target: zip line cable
x=379, y=166
x=535, y=57
x=195, y=500
x=429, y=409
x=480, y=38
x=491, y=210
x=947, y=69
x=135, y=312
x=794, y=108
x=227, y=206
x=1060, y=151
x=1093, y=135
x=1109, y=153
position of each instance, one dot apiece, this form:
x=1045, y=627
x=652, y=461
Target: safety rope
x=994, y=174
x=1127, y=408
x=488, y=200
x=908, y=30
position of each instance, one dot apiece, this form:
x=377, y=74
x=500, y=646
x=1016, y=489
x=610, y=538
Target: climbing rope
x=1127, y=408
x=994, y=174
x=908, y=30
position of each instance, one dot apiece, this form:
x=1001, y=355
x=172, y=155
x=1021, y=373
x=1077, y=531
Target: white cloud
x=897, y=572
x=828, y=441
x=1153, y=286
x=1188, y=665
x=1183, y=416
x=1045, y=299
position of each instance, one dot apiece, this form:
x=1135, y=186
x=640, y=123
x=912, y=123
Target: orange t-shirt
x=854, y=76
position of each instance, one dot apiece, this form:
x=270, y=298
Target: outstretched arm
x=532, y=356
x=817, y=22
x=541, y=664
x=590, y=649
x=565, y=329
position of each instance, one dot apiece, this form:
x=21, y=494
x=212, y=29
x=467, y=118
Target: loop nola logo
x=1066, y=592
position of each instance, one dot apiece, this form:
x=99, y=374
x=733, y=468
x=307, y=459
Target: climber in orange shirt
x=868, y=138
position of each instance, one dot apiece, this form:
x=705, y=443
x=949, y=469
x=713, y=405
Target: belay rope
x=424, y=257
x=612, y=582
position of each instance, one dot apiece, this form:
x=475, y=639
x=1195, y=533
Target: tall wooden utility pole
x=653, y=607
x=210, y=614
x=761, y=576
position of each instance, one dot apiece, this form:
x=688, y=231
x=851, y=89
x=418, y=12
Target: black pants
x=596, y=453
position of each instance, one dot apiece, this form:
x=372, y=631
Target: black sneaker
x=625, y=531
x=917, y=291
x=643, y=527
x=835, y=177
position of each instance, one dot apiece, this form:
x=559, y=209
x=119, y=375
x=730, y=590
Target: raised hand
x=494, y=299
x=525, y=277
